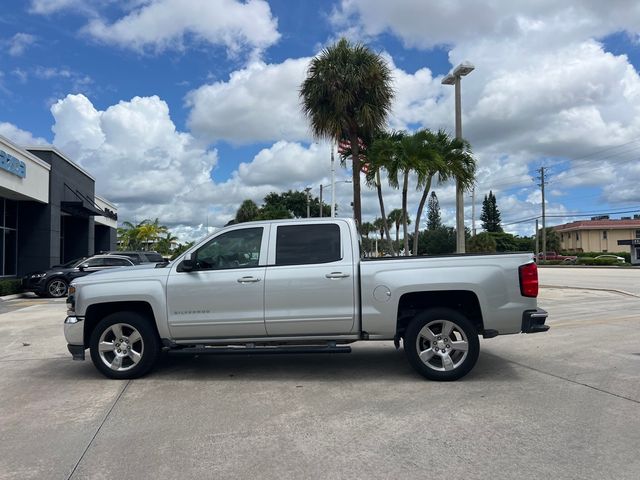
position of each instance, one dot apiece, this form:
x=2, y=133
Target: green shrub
x=9, y=287
x=552, y=262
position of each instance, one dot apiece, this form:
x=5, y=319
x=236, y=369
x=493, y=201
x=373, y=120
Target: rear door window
x=308, y=244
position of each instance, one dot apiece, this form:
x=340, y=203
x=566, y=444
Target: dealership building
x=49, y=213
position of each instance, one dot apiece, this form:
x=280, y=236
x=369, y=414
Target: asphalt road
x=623, y=279
x=563, y=405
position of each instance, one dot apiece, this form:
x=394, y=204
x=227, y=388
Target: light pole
x=307, y=190
x=453, y=78
x=333, y=195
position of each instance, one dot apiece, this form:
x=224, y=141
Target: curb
x=11, y=297
x=610, y=290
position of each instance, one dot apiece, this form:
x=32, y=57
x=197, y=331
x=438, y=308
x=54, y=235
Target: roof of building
x=598, y=225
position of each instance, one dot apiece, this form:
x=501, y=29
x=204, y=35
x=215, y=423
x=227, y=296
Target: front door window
x=235, y=249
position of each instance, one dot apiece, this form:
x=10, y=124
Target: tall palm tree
x=378, y=156
x=407, y=151
x=395, y=216
x=347, y=94
x=430, y=162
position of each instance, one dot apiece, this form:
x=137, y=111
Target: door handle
x=248, y=280
x=335, y=275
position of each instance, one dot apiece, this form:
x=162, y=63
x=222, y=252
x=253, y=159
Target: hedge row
x=597, y=261
x=9, y=287
x=625, y=255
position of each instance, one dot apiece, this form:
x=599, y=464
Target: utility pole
x=544, y=225
x=320, y=200
x=537, y=243
x=333, y=184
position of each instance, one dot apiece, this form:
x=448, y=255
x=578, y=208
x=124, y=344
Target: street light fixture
x=453, y=78
x=332, y=185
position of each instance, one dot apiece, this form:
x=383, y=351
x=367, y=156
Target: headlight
x=38, y=275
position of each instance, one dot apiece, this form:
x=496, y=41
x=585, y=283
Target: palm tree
x=395, y=216
x=347, y=94
x=164, y=244
x=407, y=151
x=366, y=228
x=378, y=157
x=429, y=162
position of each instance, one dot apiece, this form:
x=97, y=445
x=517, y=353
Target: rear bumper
x=533, y=321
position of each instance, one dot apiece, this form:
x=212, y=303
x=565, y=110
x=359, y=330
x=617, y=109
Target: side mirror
x=83, y=267
x=188, y=264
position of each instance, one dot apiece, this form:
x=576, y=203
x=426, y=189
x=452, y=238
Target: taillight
x=529, y=280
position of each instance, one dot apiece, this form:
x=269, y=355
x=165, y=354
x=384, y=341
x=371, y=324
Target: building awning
x=80, y=209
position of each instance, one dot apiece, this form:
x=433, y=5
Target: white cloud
x=19, y=43
x=546, y=22
x=45, y=7
x=139, y=159
x=169, y=24
x=19, y=136
x=257, y=103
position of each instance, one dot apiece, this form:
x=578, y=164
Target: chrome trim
x=74, y=330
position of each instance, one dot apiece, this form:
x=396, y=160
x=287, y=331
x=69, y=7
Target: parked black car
x=139, y=257
x=55, y=281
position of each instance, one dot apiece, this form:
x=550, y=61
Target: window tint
x=154, y=257
x=117, y=262
x=304, y=244
x=235, y=249
x=95, y=262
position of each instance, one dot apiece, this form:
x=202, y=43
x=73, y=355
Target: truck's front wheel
x=124, y=345
x=441, y=344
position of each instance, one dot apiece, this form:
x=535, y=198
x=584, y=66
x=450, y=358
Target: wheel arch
x=98, y=311
x=464, y=302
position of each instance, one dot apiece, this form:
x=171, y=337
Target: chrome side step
x=257, y=350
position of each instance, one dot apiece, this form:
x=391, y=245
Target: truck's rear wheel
x=124, y=345
x=441, y=344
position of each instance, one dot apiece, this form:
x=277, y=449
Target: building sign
x=12, y=165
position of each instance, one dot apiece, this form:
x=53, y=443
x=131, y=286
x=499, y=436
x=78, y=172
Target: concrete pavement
x=565, y=405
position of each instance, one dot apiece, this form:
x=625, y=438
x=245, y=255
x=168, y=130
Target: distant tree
x=366, y=228
x=164, y=244
x=434, y=220
x=247, y=212
x=553, y=240
x=482, y=243
x=180, y=249
x=436, y=242
x=490, y=215
x=395, y=216
x=295, y=203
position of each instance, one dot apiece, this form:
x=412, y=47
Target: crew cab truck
x=300, y=286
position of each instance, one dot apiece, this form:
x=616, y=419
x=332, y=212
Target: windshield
x=71, y=264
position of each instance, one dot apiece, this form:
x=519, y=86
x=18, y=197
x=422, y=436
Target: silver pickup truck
x=300, y=287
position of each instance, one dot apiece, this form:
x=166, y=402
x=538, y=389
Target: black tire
x=146, y=348
x=57, y=288
x=437, y=367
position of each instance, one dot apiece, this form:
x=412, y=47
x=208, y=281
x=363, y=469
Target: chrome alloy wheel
x=120, y=347
x=57, y=288
x=442, y=345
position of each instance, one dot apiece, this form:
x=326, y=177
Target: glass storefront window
x=8, y=237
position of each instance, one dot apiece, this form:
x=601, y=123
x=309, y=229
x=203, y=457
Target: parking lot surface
x=565, y=404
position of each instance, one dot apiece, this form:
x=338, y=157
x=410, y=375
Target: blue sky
x=198, y=98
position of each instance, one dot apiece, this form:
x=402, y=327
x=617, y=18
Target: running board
x=202, y=350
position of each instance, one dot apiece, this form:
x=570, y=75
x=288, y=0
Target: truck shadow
x=373, y=363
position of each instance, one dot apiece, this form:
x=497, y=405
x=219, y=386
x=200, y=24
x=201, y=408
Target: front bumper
x=36, y=285
x=533, y=321
x=74, y=334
